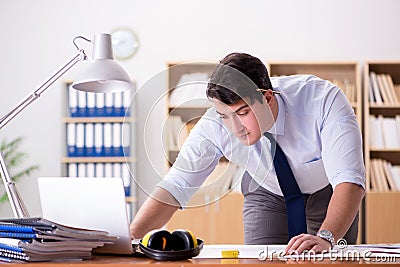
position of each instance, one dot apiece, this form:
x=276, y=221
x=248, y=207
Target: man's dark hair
x=237, y=76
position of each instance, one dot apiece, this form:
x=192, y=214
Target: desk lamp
x=103, y=75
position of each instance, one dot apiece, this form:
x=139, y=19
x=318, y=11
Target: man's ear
x=268, y=95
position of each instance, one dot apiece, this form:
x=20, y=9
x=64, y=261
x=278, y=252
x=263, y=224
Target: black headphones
x=163, y=245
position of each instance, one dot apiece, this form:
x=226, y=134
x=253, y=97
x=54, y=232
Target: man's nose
x=236, y=125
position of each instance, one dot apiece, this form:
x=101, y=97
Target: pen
x=264, y=90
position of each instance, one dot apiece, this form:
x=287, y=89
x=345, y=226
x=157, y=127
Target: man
x=312, y=124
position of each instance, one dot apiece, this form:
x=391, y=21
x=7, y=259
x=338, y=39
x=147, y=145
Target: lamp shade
x=103, y=75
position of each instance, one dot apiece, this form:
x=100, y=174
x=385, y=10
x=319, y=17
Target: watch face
x=325, y=234
x=125, y=43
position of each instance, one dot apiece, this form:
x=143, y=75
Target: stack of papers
x=38, y=239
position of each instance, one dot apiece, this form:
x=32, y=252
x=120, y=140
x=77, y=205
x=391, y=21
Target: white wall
x=36, y=38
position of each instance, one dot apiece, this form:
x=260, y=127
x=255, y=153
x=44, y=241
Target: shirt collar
x=279, y=126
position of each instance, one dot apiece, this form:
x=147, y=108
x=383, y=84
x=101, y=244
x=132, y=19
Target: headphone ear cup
x=183, y=240
x=158, y=239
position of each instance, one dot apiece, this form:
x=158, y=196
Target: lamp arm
x=41, y=88
x=17, y=205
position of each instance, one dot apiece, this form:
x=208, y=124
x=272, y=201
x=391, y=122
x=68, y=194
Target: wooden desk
x=118, y=261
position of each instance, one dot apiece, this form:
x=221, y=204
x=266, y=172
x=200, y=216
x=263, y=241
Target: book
x=373, y=184
x=375, y=87
x=382, y=179
x=48, y=241
x=371, y=95
x=375, y=131
x=389, y=87
x=389, y=131
x=396, y=176
x=386, y=95
x=389, y=175
x=377, y=181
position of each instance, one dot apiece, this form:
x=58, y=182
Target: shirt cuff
x=348, y=177
x=181, y=194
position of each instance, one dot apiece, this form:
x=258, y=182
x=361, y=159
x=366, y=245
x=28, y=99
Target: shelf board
x=379, y=106
x=131, y=199
x=97, y=159
x=375, y=149
x=97, y=119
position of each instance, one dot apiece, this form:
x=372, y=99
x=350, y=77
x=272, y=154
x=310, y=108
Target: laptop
x=93, y=203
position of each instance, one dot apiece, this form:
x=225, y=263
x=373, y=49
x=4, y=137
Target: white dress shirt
x=316, y=128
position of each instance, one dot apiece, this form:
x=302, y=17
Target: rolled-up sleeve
x=342, y=149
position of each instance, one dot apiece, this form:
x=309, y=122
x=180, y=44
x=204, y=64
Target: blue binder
x=108, y=139
x=89, y=140
x=109, y=105
x=98, y=140
x=80, y=140
x=71, y=139
x=72, y=102
x=118, y=109
x=100, y=110
x=126, y=103
x=126, y=139
x=117, y=140
x=90, y=104
x=82, y=104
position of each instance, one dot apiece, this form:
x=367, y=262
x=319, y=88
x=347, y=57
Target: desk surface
x=98, y=260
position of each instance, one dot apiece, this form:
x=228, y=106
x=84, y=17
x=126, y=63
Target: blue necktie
x=291, y=192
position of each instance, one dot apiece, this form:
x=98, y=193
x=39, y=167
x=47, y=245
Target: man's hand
x=303, y=242
x=154, y=213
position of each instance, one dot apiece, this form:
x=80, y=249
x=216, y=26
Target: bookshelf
x=99, y=138
x=186, y=103
x=382, y=150
x=345, y=74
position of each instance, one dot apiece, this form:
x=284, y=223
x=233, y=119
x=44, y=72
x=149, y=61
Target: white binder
x=109, y=104
x=107, y=135
x=117, y=139
x=99, y=170
x=126, y=102
x=89, y=139
x=82, y=170
x=73, y=102
x=81, y=103
x=71, y=140
x=117, y=169
x=91, y=104
x=80, y=139
x=118, y=111
x=100, y=105
x=126, y=139
x=126, y=178
x=108, y=170
x=98, y=140
x=72, y=170
x=90, y=170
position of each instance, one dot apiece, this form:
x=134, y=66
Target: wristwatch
x=327, y=235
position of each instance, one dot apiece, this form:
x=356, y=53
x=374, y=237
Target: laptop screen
x=93, y=203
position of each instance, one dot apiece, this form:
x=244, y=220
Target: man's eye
x=244, y=113
x=223, y=117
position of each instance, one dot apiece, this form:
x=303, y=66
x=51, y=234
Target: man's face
x=247, y=121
